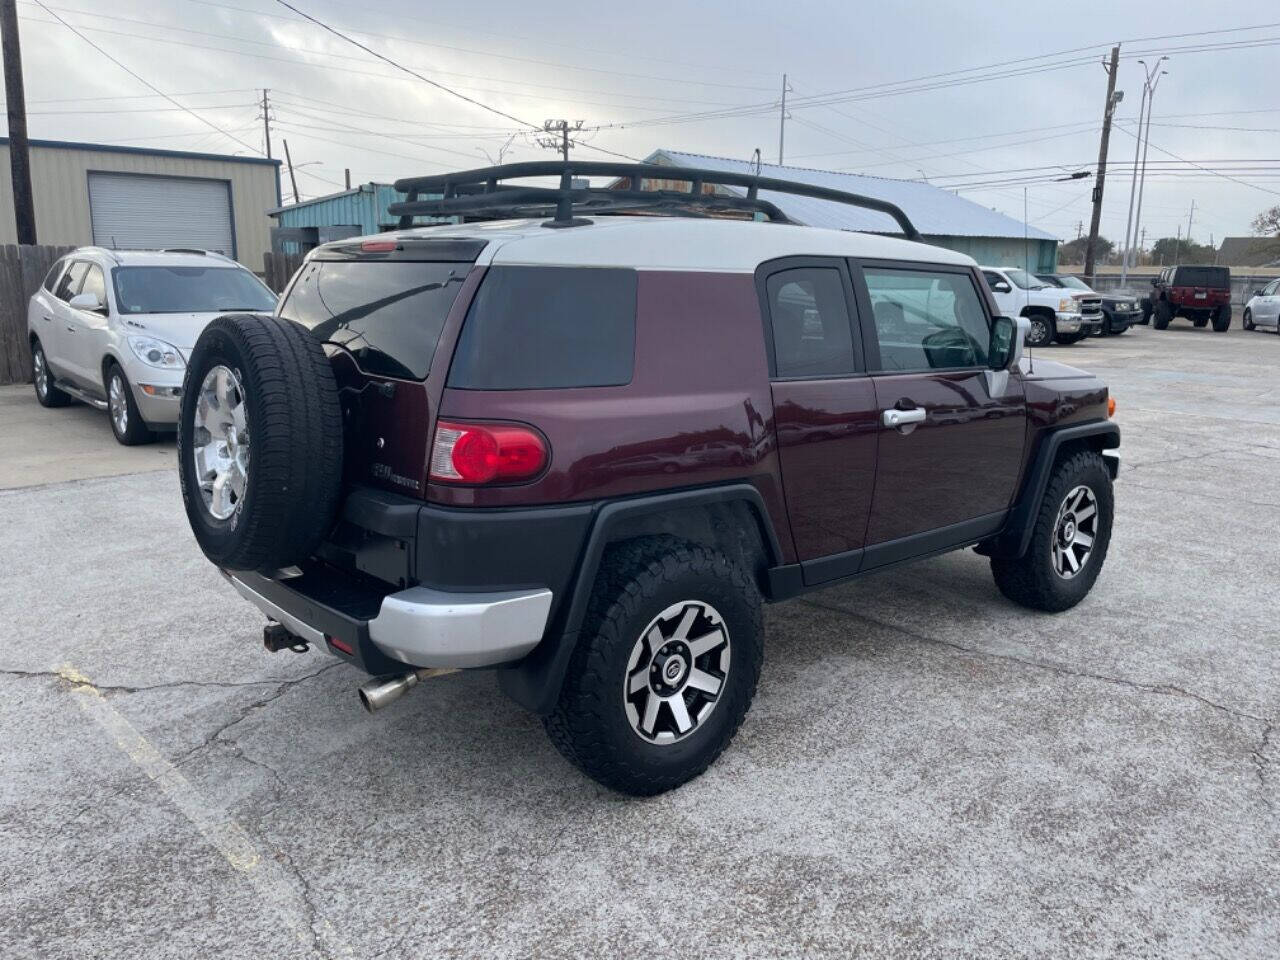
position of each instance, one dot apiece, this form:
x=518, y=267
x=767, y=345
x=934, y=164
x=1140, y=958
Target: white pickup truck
x=1055, y=314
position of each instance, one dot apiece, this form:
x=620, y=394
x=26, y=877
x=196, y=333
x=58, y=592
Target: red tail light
x=378, y=246
x=479, y=453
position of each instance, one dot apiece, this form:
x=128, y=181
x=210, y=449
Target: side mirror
x=1257, y=293
x=87, y=301
x=1155, y=281
x=1008, y=337
x=1001, y=287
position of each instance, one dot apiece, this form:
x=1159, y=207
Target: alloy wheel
x=676, y=672
x=40, y=371
x=1074, y=532
x=118, y=404
x=220, y=444
x=1039, y=333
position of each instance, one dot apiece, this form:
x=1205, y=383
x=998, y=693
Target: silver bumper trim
x=423, y=627
x=278, y=614
x=429, y=628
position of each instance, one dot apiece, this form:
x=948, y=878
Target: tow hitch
x=276, y=638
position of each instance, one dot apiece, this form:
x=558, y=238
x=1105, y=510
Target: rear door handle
x=70, y=328
x=903, y=418
x=48, y=319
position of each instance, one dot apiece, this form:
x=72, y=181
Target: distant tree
x=1267, y=223
x=1074, y=251
x=1171, y=250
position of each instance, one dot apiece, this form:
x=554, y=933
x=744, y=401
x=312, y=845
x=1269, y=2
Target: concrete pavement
x=927, y=771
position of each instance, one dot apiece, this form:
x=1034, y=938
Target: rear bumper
x=418, y=627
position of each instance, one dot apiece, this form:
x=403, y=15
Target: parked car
x=1055, y=315
x=1119, y=310
x=1263, y=308
x=1199, y=293
x=114, y=329
x=450, y=448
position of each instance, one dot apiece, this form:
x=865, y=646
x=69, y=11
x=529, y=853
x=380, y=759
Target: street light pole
x=1133, y=184
x=1153, y=80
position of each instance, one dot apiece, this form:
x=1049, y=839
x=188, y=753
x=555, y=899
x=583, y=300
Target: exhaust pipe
x=381, y=691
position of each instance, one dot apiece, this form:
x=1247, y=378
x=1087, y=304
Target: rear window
x=387, y=314
x=1202, y=277
x=539, y=328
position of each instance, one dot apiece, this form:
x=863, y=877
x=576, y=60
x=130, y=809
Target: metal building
x=351, y=213
x=136, y=198
x=942, y=218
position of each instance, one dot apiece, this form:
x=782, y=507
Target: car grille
x=1091, y=307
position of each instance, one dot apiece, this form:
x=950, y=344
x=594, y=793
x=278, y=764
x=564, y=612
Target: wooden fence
x=278, y=269
x=22, y=268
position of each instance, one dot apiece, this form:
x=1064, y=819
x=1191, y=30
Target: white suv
x=1054, y=313
x=114, y=328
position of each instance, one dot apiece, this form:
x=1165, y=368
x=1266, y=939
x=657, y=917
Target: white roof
x=674, y=243
x=157, y=258
x=934, y=211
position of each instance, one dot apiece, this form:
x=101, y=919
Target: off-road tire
x=1247, y=320
x=294, y=428
x=1147, y=310
x=1161, y=314
x=638, y=580
x=1034, y=337
x=135, y=432
x=1222, y=319
x=50, y=396
x=1031, y=580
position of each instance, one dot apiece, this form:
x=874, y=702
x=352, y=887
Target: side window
x=812, y=333
x=70, y=282
x=927, y=320
x=51, y=278
x=95, y=282
x=544, y=328
x=993, y=278
x=1272, y=289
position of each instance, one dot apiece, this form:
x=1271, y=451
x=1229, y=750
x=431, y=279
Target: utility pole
x=292, y=179
x=1177, y=244
x=557, y=136
x=1133, y=186
x=24, y=209
x=1142, y=245
x=266, y=121
x=1101, y=179
x=782, y=120
x=346, y=175
x=1189, y=219
x=1079, y=229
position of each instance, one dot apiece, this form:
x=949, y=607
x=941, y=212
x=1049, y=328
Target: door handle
x=903, y=418
x=70, y=328
x=48, y=319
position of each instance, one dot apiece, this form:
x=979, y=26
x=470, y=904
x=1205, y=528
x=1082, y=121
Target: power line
x=146, y=83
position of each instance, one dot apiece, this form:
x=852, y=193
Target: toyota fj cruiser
x=582, y=451
x=1198, y=293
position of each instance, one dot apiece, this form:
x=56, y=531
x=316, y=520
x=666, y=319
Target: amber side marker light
x=1111, y=407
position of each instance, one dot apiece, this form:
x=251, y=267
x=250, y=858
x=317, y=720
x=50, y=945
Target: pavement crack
x=1262, y=762
x=219, y=734
x=1162, y=689
x=166, y=685
x=1142, y=465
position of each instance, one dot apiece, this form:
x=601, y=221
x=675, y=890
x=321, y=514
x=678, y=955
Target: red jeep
x=580, y=447
x=1197, y=292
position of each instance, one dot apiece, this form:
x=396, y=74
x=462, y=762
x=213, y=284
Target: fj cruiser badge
x=384, y=472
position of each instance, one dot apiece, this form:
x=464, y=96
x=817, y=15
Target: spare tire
x=259, y=443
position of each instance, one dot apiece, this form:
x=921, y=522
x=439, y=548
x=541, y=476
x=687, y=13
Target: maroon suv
x=1201, y=294
x=583, y=451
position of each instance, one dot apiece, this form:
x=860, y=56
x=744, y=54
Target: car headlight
x=1067, y=305
x=156, y=353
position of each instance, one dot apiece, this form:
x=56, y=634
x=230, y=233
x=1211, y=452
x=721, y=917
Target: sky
x=991, y=99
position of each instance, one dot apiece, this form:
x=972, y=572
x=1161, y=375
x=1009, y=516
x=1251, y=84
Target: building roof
x=116, y=148
x=710, y=244
x=1249, y=251
x=330, y=197
x=934, y=211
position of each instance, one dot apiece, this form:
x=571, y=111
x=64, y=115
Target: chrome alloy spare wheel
x=676, y=672
x=1074, y=532
x=220, y=442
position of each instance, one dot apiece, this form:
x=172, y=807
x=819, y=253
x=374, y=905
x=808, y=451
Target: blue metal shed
x=352, y=213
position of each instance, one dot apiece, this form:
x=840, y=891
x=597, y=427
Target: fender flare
x=535, y=681
x=1015, y=539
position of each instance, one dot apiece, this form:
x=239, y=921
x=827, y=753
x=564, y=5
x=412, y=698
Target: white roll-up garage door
x=143, y=212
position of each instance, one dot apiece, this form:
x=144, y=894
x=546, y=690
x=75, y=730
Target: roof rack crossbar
x=479, y=191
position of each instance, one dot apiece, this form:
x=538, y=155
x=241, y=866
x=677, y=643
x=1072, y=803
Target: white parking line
x=276, y=886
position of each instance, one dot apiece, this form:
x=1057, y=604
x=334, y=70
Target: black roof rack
x=480, y=192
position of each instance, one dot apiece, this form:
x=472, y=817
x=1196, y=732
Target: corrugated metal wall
x=364, y=206
x=60, y=182
x=1005, y=251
